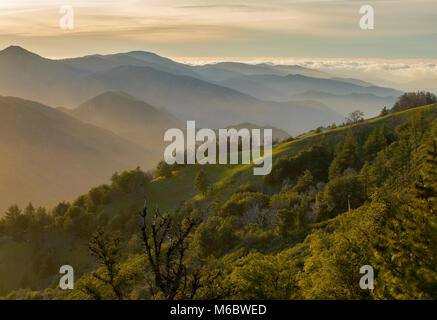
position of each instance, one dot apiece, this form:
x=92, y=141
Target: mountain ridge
x=49, y=155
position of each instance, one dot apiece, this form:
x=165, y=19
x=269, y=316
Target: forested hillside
x=336, y=199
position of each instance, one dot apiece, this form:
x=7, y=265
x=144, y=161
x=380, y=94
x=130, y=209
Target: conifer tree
x=405, y=252
x=347, y=158
x=374, y=143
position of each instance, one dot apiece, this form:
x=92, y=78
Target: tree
x=106, y=249
x=384, y=112
x=375, y=143
x=404, y=252
x=163, y=169
x=340, y=195
x=355, y=117
x=166, y=241
x=346, y=157
x=258, y=276
x=16, y=223
x=414, y=99
x=30, y=210
x=333, y=260
x=304, y=182
x=315, y=159
x=239, y=203
x=61, y=209
x=216, y=236
x=201, y=182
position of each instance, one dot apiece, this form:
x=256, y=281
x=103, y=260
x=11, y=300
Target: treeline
x=414, y=99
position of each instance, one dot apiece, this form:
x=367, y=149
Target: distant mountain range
x=228, y=70
x=109, y=112
x=214, y=95
x=369, y=103
x=283, y=87
x=101, y=63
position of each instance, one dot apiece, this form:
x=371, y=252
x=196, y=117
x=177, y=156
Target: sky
x=223, y=28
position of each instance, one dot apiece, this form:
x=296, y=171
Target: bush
x=316, y=159
x=339, y=194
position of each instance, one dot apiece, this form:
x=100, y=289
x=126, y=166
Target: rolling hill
x=228, y=178
x=129, y=118
x=48, y=155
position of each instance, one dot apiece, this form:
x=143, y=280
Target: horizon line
x=189, y=59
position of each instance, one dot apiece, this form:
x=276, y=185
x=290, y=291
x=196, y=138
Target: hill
x=227, y=178
x=129, y=118
x=48, y=155
x=30, y=76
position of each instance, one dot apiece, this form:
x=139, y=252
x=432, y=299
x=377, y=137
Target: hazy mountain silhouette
x=130, y=118
x=99, y=63
x=226, y=70
x=369, y=103
x=27, y=75
x=358, y=82
x=51, y=154
x=279, y=88
x=285, y=70
x=278, y=134
x=176, y=87
x=48, y=155
x=211, y=105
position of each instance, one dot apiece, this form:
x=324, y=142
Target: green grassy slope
x=170, y=192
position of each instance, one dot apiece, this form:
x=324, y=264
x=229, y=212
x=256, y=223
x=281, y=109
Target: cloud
x=303, y=27
x=403, y=74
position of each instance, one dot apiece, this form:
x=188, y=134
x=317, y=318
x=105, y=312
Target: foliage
x=201, y=182
x=348, y=157
x=354, y=117
x=316, y=159
x=364, y=194
x=414, y=99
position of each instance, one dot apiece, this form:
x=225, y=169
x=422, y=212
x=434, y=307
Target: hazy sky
x=241, y=28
